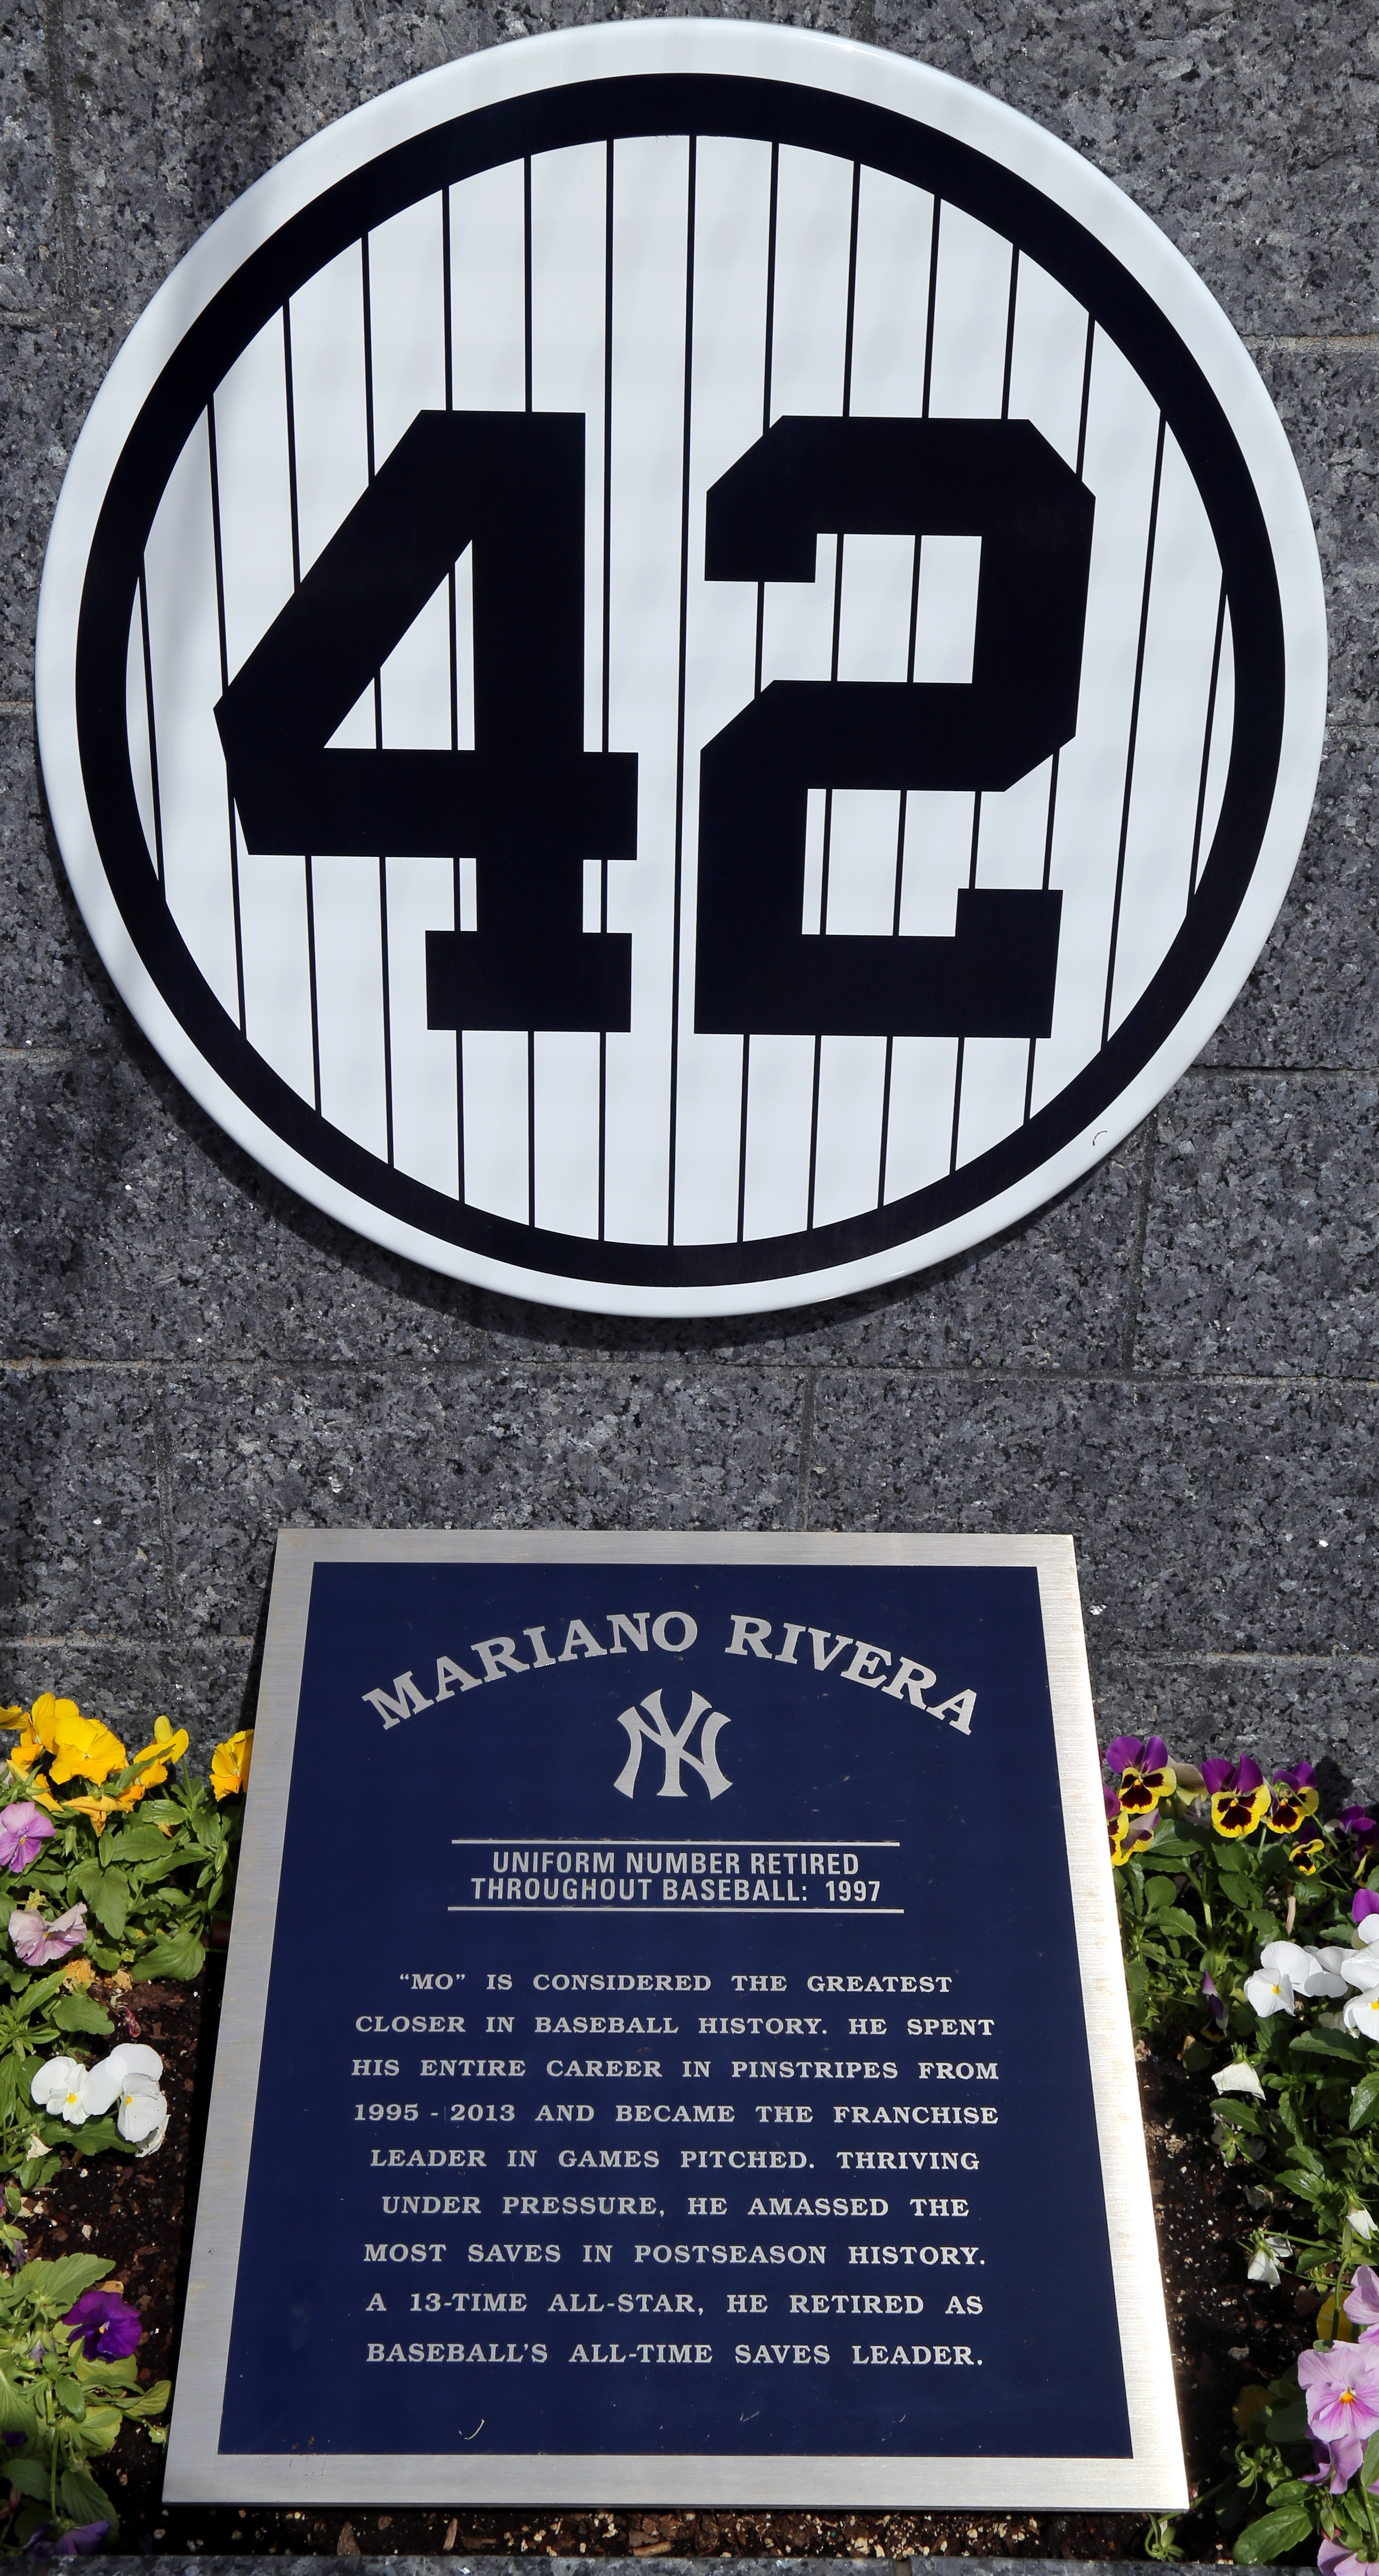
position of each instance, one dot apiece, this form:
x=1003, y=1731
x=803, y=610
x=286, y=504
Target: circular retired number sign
x=680, y=668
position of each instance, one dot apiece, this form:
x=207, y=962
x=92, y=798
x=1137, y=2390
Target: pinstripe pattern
x=662, y=1135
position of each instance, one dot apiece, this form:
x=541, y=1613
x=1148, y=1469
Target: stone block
x=48, y=381
x=1259, y=1254
x=84, y=1530
x=30, y=233
x=1313, y=998
x=1277, y=1707
x=254, y=1451
x=1211, y=1514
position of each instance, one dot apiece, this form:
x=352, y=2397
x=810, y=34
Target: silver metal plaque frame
x=1151, y=2479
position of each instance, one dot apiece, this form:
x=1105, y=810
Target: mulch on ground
x=1225, y=2332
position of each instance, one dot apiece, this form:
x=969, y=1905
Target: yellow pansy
x=230, y=1763
x=97, y=1809
x=81, y=1747
x=47, y=1714
x=26, y=1752
x=168, y=1745
x=1238, y=1811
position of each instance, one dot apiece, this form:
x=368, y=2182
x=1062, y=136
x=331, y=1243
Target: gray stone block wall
x=1177, y=1362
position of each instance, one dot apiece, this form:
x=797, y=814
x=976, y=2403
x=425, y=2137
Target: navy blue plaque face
x=657, y=2059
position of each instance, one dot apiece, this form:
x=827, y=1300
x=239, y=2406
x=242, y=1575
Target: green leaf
x=151, y=2401
x=1287, y=2423
x=1171, y=1918
x=97, y=2138
x=107, y=1893
x=1268, y=2538
x=37, y=2172
x=83, y=2500
x=1364, y=2101
x=1305, y=2185
x=134, y=1842
x=59, y=2285
x=16, y=2414
x=1330, y=2043
x=77, y=2012
x=101, y=2430
x=37, y=1996
x=30, y=2477
x=175, y=1953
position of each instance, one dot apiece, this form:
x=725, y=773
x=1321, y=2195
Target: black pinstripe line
x=1206, y=743
x=909, y=682
x=378, y=719
x=307, y=869
x=1010, y=329
x=977, y=799
x=1086, y=396
x=929, y=316
x=833, y=675
x=224, y=684
x=448, y=347
x=152, y=728
x=680, y=690
x=607, y=632
x=527, y=366
x=768, y=352
x=1053, y=772
x=1134, y=730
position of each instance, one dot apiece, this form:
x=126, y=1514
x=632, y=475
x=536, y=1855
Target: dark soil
x=1226, y=2333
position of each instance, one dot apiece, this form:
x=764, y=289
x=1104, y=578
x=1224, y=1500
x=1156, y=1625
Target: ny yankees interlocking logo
x=673, y=1743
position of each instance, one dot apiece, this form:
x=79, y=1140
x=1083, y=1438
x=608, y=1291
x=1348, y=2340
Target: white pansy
x=1324, y=1974
x=1264, y=2265
x=1360, y=1968
x=62, y=2088
x=1359, y=2222
x=1270, y=1989
x=129, y=2077
x=1369, y=1929
x=1362, y=2014
x=1238, y=2078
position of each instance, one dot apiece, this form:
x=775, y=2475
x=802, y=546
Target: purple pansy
x=1244, y=1775
x=110, y=2328
x=24, y=1829
x=1299, y=1775
x=1334, y=2559
x=81, y=2543
x=1213, y=1994
x=1335, y=2462
x=1362, y=2306
x=1132, y=1753
x=1365, y=1902
x=39, y=1942
x=1112, y=1805
x=1342, y=2392
x=1218, y=1775
x=1359, y=1822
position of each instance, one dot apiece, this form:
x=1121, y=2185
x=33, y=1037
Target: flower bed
x=1252, y=1944
x=1252, y=1959
x=114, y=1887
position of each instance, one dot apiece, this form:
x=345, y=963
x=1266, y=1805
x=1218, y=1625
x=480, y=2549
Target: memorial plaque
x=675, y=2046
